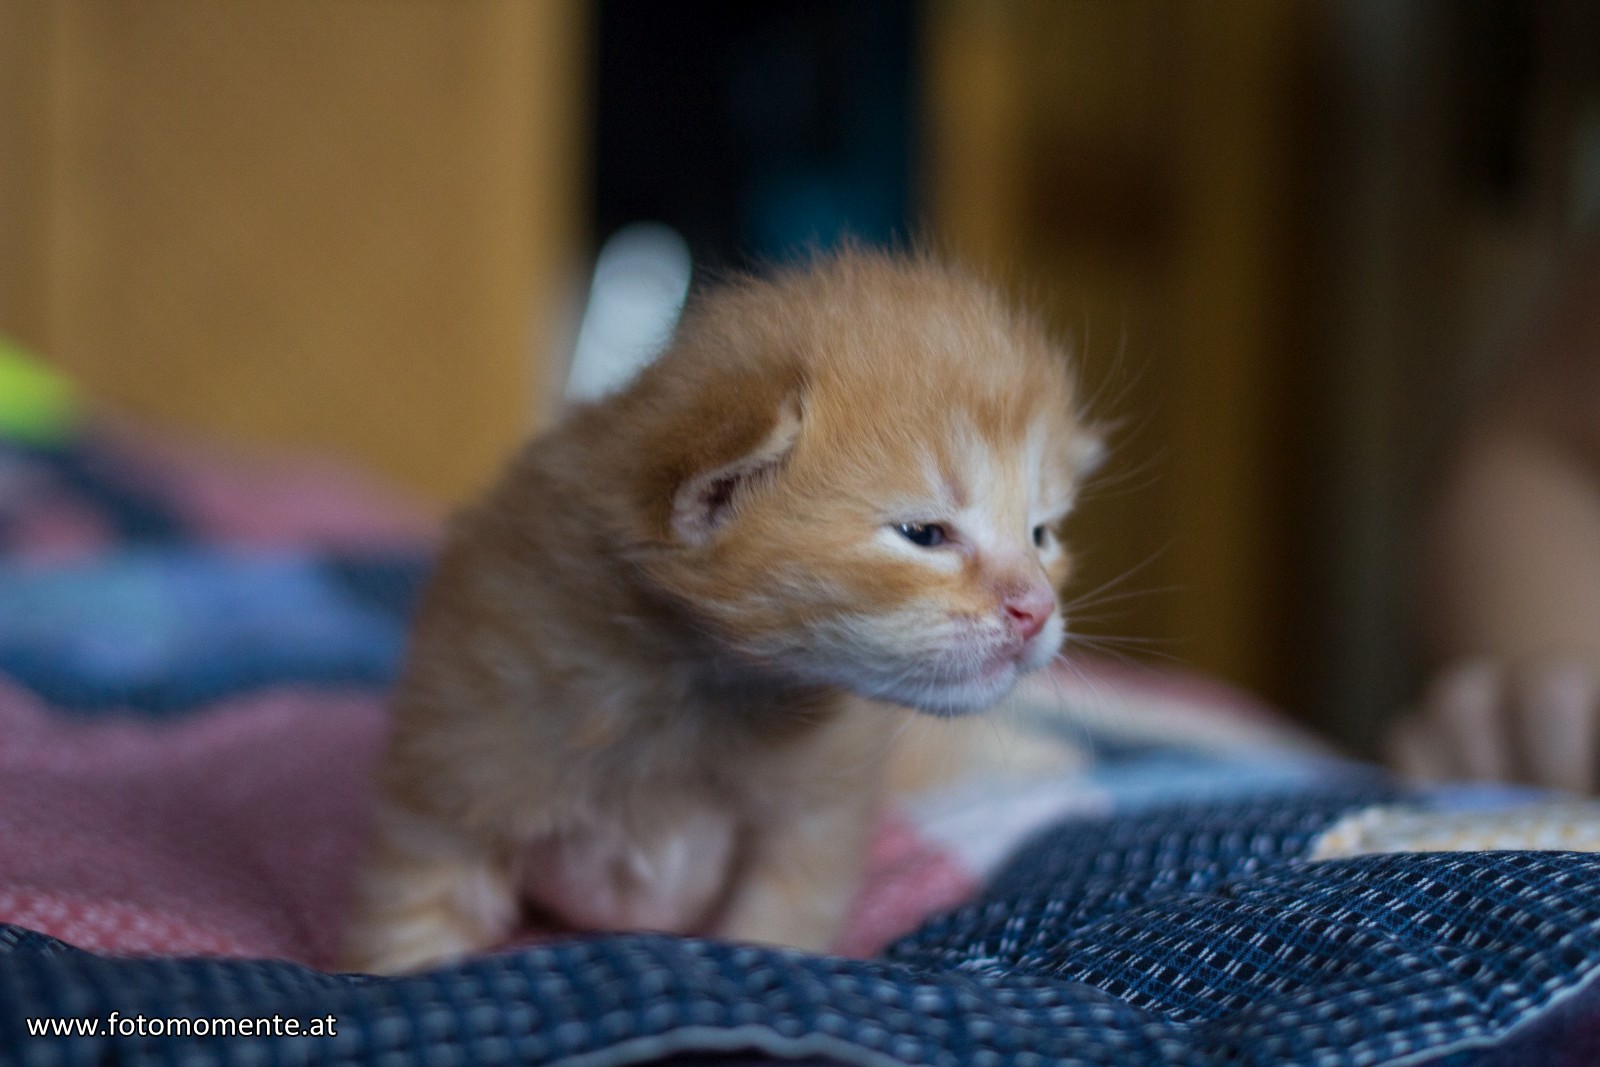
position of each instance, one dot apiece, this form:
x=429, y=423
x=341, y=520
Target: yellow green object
x=37, y=405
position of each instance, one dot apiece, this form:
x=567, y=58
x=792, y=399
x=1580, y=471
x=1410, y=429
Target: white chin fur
x=963, y=699
x=925, y=688
x=911, y=688
x=1047, y=645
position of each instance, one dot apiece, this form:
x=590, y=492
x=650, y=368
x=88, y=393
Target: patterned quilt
x=193, y=653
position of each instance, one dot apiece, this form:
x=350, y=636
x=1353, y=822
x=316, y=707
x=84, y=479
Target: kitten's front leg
x=802, y=878
x=428, y=895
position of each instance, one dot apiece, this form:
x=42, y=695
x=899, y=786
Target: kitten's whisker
x=1109, y=648
x=1121, y=640
x=1121, y=657
x=1091, y=600
x=1118, y=438
x=1094, y=689
x=1093, y=684
x=1091, y=406
x=1079, y=618
x=1064, y=709
x=1110, y=584
x=1114, y=482
x=999, y=740
x=900, y=731
x=1073, y=711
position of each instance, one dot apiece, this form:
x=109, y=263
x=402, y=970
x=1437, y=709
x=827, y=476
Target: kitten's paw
x=802, y=879
x=420, y=907
x=408, y=944
x=773, y=917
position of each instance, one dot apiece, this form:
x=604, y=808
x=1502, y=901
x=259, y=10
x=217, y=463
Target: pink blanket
x=237, y=832
x=229, y=833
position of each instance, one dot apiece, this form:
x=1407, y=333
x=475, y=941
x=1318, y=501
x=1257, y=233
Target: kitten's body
x=658, y=671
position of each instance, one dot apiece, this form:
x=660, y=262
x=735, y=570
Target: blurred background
x=1290, y=242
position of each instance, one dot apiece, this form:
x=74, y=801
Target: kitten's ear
x=704, y=502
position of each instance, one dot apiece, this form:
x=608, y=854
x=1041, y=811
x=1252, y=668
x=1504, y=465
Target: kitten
x=658, y=670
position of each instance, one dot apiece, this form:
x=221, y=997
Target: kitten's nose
x=1027, y=612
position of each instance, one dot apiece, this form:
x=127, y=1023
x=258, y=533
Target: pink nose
x=1029, y=611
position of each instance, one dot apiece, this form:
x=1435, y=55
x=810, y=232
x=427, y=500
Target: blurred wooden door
x=1136, y=163
x=341, y=225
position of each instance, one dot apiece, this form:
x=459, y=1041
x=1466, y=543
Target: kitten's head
x=855, y=474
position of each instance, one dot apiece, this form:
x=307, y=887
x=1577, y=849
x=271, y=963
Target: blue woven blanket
x=1180, y=936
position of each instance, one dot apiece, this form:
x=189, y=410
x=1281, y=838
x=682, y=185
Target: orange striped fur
x=657, y=673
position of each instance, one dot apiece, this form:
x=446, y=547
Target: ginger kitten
x=658, y=670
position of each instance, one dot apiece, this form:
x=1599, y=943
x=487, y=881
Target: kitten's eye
x=1041, y=535
x=924, y=534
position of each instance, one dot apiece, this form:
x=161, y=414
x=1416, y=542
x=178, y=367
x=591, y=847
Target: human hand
x=1479, y=720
